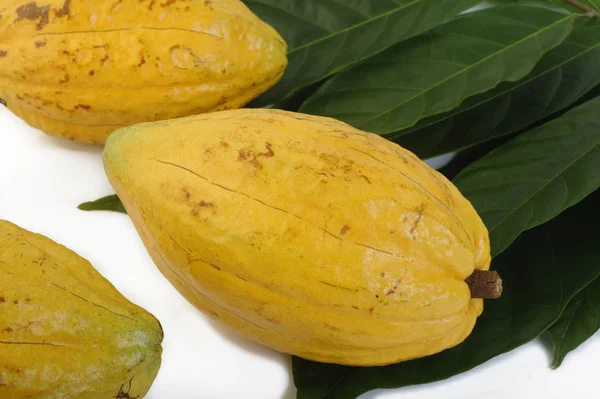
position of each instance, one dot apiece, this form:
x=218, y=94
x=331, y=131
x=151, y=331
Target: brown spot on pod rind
x=3, y=102
x=2, y=300
x=40, y=43
x=3, y=53
x=64, y=10
x=32, y=12
x=251, y=156
x=345, y=229
x=200, y=205
x=413, y=229
x=116, y=5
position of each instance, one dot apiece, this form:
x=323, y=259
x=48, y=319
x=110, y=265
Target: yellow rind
x=80, y=69
x=65, y=331
x=303, y=233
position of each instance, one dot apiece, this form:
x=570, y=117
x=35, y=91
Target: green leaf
x=560, y=79
x=438, y=70
x=539, y=280
x=533, y=178
x=293, y=102
x=326, y=36
x=109, y=203
x=579, y=322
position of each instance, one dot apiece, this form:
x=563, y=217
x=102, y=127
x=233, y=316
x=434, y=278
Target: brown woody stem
x=485, y=284
x=588, y=10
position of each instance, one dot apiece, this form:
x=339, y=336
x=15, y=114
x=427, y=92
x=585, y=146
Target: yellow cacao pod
x=81, y=69
x=66, y=332
x=303, y=233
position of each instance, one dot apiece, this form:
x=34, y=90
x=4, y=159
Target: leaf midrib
x=564, y=334
x=502, y=93
x=467, y=69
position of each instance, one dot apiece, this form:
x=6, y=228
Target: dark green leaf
x=577, y=324
x=109, y=203
x=536, y=176
x=560, y=79
x=541, y=272
x=438, y=70
x=324, y=37
x=293, y=102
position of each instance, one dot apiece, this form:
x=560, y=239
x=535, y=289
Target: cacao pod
x=303, y=233
x=81, y=69
x=65, y=331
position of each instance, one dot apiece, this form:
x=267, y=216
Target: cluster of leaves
x=512, y=87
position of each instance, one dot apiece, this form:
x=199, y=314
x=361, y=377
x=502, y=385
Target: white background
x=43, y=179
